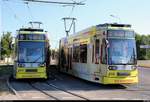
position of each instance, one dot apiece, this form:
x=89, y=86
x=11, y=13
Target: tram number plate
x=123, y=74
x=31, y=70
x=124, y=81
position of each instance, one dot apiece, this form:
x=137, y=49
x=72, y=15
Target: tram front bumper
x=120, y=80
x=31, y=75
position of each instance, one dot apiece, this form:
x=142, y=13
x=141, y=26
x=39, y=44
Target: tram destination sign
x=145, y=46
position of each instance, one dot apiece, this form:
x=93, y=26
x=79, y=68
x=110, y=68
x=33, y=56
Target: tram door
x=97, y=51
x=70, y=58
x=97, y=54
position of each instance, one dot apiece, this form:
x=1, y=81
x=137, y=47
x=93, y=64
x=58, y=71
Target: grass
x=6, y=70
x=3, y=87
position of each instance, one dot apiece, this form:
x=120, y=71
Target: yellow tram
x=105, y=53
x=31, y=54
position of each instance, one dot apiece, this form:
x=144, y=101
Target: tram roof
x=92, y=29
x=31, y=29
x=113, y=25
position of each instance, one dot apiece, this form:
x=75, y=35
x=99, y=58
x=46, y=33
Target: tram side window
x=83, y=53
x=31, y=37
x=38, y=37
x=63, y=57
x=97, y=51
x=25, y=37
x=104, y=53
x=22, y=37
x=76, y=51
x=93, y=53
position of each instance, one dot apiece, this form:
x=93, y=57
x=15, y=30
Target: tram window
x=93, y=53
x=43, y=37
x=29, y=37
x=22, y=37
x=76, y=53
x=63, y=57
x=38, y=37
x=97, y=51
x=104, y=53
x=83, y=53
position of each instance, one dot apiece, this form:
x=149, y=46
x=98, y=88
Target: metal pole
x=72, y=24
x=74, y=29
x=65, y=27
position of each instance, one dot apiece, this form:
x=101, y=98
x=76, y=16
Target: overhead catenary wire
x=73, y=7
x=12, y=11
x=14, y=1
x=72, y=3
x=71, y=18
x=15, y=15
x=29, y=10
x=54, y=2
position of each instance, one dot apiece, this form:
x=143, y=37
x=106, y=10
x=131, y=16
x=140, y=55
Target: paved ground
x=144, y=63
x=88, y=90
x=99, y=92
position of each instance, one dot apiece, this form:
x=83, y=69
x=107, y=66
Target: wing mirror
x=107, y=43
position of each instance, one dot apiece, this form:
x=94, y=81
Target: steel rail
x=43, y=91
x=12, y=88
x=54, y=86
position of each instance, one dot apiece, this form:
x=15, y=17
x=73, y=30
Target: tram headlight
x=112, y=67
x=41, y=64
x=21, y=65
x=134, y=67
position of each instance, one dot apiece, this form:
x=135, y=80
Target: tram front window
x=121, y=52
x=31, y=52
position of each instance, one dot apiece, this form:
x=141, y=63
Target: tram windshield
x=121, y=51
x=31, y=52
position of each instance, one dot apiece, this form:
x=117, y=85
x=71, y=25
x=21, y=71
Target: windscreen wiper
x=37, y=59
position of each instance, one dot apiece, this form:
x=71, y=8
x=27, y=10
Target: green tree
x=6, y=44
x=142, y=53
x=138, y=42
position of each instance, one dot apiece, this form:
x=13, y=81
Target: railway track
x=42, y=91
x=54, y=86
x=12, y=89
x=28, y=93
x=54, y=92
x=135, y=88
x=57, y=92
x=47, y=89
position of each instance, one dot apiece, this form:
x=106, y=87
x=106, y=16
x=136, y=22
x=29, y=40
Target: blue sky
x=15, y=14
